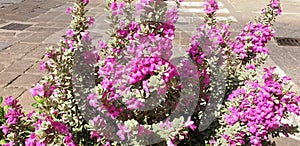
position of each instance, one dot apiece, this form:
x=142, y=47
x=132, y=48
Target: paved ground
x=41, y=23
x=4, y=3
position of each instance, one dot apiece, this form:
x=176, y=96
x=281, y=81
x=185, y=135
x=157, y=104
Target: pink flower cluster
x=147, y=67
x=262, y=108
x=13, y=114
x=275, y=4
x=252, y=40
x=117, y=9
x=42, y=90
x=211, y=6
x=141, y=4
x=40, y=136
x=203, y=44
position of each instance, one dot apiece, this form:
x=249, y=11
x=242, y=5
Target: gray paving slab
x=4, y=3
x=4, y=45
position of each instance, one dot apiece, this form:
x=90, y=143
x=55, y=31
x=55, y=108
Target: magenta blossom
x=11, y=143
x=211, y=6
x=122, y=131
x=5, y=129
x=70, y=33
x=10, y=101
x=189, y=123
x=85, y=1
x=117, y=9
x=69, y=10
x=38, y=90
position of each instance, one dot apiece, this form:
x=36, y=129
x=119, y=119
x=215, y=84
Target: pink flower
x=134, y=103
x=60, y=127
x=85, y=1
x=167, y=124
x=145, y=86
x=94, y=134
x=43, y=65
x=189, y=123
x=86, y=36
x=122, y=131
x=93, y=100
x=117, y=9
x=10, y=101
x=250, y=67
x=172, y=15
x=31, y=140
x=5, y=129
x=91, y=20
x=70, y=33
x=69, y=10
x=275, y=3
x=69, y=140
x=102, y=44
x=170, y=143
x=11, y=143
x=29, y=115
x=211, y=6
x=38, y=90
x=143, y=131
x=112, y=112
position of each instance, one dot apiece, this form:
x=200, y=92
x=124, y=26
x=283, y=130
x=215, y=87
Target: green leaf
x=1, y=113
x=2, y=142
x=1, y=99
x=35, y=105
x=5, y=108
x=38, y=99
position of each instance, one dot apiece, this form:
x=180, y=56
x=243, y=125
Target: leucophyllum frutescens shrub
x=129, y=90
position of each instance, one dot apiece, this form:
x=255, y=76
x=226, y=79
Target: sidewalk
x=28, y=27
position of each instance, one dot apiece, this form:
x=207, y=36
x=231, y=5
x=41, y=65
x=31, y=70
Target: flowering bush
x=129, y=90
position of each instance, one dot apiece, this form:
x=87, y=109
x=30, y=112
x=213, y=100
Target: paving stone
x=37, y=19
x=61, y=24
x=29, y=15
x=19, y=66
x=42, y=29
x=2, y=21
x=26, y=81
x=184, y=38
x=14, y=17
x=35, y=69
x=4, y=45
x=9, y=91
x=8, y=33
x=45, y=24
x=50, y=14
x=54, y=38
x=2, y=67
x=8, y=59
x=7, y=78
x=19, y=48
x=37, y=53
x=15, y=26
x=40, y=10
x=9, y=39
x=37, y=37
x=26, y=100
x=52, y=4
x=284, y=141
x=23, y=34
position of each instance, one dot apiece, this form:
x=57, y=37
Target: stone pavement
x=4, y=3
x=29, y=26
x=23, y=27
